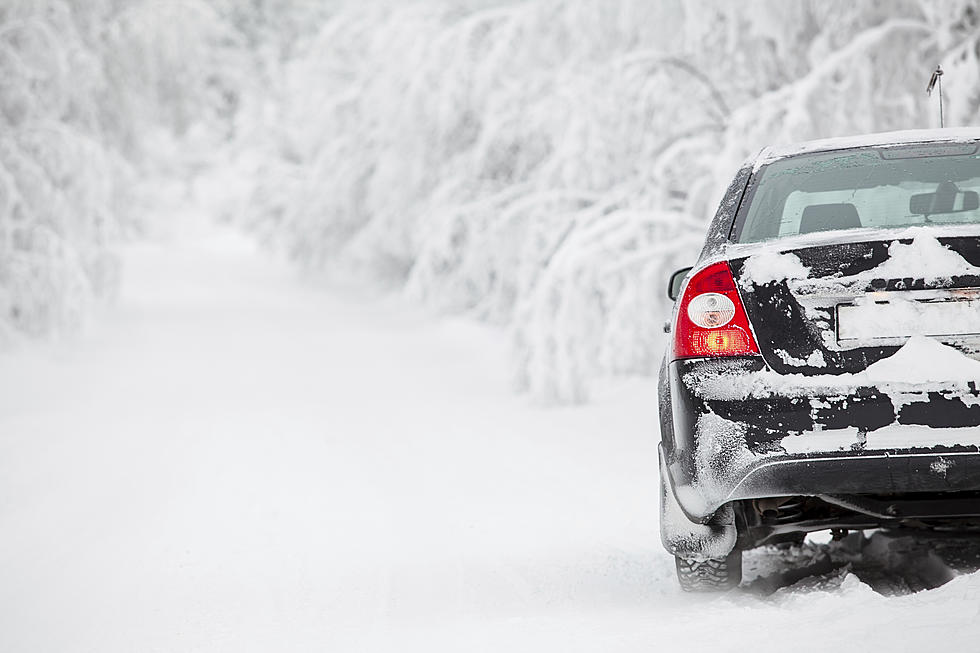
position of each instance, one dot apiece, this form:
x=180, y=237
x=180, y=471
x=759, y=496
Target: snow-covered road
x=234, y=461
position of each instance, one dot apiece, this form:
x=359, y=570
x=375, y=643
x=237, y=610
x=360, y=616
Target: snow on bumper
x=740, y=431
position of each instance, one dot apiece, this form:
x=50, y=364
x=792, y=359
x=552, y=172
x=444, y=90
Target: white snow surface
x=924, y=258
x=820, y=441
x=920, y=360
x=769, y=266
x=236, y=461
x=924, y=360
x=892, y=436
x=815, y=359
x=908, y=436
x=898, y=318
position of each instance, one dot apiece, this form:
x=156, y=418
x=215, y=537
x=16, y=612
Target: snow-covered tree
x=545, y=165
x=539, y=164
x=84, y=87
x=58, y=200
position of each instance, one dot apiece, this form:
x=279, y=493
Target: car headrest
x=825, y=217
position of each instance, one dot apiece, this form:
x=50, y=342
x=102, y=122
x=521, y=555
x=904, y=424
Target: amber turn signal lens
x=720, y=342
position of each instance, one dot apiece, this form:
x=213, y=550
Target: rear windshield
x=881, y=187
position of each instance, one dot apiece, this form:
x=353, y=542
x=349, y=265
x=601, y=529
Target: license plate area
x=895, y=320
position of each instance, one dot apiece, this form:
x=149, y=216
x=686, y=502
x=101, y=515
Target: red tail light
x=711, y=320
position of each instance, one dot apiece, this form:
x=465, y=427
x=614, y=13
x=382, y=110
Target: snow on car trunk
x=836, y=307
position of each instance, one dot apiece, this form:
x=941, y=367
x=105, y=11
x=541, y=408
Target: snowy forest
x=539, y=165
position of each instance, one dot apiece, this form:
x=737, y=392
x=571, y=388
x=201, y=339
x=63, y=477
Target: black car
x=824, y=361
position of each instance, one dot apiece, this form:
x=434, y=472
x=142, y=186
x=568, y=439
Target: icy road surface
x=233, y=461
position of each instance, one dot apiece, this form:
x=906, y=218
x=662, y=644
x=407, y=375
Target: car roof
x=946, y=135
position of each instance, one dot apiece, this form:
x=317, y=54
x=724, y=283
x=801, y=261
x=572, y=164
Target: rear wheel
x=711, y=575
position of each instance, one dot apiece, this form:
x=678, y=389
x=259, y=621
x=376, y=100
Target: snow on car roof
x=946, y=135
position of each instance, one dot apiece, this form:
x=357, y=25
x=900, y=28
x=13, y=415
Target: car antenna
x=937, y=78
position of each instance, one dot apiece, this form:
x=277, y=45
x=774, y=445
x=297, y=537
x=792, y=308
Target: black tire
x=711, y=575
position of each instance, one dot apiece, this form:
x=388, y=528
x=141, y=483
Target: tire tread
x=711, y=575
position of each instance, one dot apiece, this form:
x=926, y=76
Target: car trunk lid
x=838, y=307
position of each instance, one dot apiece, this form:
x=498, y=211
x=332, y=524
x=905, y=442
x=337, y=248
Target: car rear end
x=826, y=356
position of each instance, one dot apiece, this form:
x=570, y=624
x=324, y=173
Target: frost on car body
x=826, y=352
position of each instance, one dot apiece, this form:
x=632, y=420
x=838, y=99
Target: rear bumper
x=867, y=473
x=731, y=438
